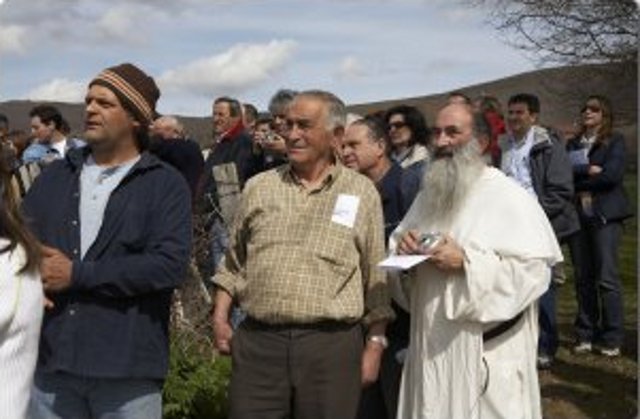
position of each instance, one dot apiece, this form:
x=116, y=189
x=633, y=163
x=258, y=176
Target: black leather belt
x=501, y=328
x=324, y=325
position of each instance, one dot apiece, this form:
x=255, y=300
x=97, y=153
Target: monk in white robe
x=492, y=264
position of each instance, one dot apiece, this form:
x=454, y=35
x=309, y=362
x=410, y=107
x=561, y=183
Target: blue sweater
x=113, y=320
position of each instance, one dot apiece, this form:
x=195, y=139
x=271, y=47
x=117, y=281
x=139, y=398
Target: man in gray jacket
x=535, y=158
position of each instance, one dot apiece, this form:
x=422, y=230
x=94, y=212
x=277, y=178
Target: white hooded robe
x=509, y=247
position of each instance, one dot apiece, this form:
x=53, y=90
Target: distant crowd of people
x=298, y=206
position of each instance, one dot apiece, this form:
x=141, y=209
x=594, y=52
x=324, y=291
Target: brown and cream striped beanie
x=136, y=90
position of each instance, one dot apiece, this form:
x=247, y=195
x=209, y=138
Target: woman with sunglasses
x=21, y=303
x=598, y=157
x=408, y=133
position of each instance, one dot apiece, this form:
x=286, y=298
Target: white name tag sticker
x=346, y=210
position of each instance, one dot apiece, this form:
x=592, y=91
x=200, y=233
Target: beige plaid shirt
x=289, y=261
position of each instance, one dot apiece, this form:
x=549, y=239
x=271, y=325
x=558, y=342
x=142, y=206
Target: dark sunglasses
x=449, y=130
x=592, y=108
x=397, y=125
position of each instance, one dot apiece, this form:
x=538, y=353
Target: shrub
x=197, y=384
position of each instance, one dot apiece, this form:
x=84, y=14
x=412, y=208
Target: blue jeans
x=66, y=396
x=548, y=339
x=600, y=316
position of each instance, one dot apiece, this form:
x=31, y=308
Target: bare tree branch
x=568, y=31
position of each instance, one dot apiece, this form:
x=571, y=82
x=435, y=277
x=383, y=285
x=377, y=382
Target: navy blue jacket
x=183, y=154
x=113, y=320
x=398, y=188
x=609, y=200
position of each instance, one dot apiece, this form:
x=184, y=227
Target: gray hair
x=336, y=110
x=174, y=123
x=280, y=100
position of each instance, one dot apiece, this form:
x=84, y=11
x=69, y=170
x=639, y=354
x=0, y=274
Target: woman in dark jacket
x=598, y=157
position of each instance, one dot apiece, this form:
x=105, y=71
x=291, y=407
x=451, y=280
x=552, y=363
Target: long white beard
x=446, y=185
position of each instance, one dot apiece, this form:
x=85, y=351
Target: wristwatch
x=379, y=339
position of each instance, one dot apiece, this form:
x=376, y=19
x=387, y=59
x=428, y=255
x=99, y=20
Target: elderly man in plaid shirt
x=302, y=264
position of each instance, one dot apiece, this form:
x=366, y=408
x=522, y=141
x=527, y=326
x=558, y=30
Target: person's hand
x=222, y=335
x=408, y=244
x=48, y=304
x=276, y=144
x=55, y=269
x=447, y=255
x=370, y=366
x=594, y=170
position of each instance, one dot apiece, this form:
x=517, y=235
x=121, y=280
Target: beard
x=447, y=181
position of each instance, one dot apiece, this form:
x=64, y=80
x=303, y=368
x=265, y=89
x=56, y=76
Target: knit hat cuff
x=122, y=86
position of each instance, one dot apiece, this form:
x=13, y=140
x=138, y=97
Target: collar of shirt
x=330, y=175
x=401, y=156
x=588, y=141
x=527, y=140
x=59, y=147
x=104, y=172
x=232, y=132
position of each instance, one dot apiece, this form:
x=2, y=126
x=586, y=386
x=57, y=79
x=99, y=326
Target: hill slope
x=561, y=91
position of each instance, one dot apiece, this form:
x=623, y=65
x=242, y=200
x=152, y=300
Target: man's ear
x=134, y=121
x=484, y=141
x=535, y=117
x=382, y=148
x=338, y=137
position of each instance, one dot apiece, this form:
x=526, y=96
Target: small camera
x=269, y=137
x=428, y=241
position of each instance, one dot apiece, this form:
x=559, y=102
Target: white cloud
x=12, y=39
x=234, y=71
x=59, y=90
x=350, y=68
x=118, y=23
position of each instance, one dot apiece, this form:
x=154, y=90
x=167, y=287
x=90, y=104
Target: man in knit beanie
x=116, y=242
x=136, y=91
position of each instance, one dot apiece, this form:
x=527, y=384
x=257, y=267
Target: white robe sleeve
x=495, y=287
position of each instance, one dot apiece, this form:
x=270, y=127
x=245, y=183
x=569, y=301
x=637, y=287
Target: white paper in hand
x=401, y=262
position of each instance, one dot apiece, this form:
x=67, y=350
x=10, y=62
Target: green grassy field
x=590, y=386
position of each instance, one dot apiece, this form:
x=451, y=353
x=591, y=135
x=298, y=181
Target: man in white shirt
x=536, y=158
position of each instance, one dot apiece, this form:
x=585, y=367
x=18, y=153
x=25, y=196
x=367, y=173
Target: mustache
x=442, y=152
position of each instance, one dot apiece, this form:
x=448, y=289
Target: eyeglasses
x=397, y=125
x=449, y=130
x=591, y=108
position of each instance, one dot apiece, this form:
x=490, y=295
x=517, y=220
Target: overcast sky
x=362, y=50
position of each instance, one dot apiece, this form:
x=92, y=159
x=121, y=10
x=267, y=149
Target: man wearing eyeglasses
x=365, y=149
x=473, y=336
x=536, y=158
